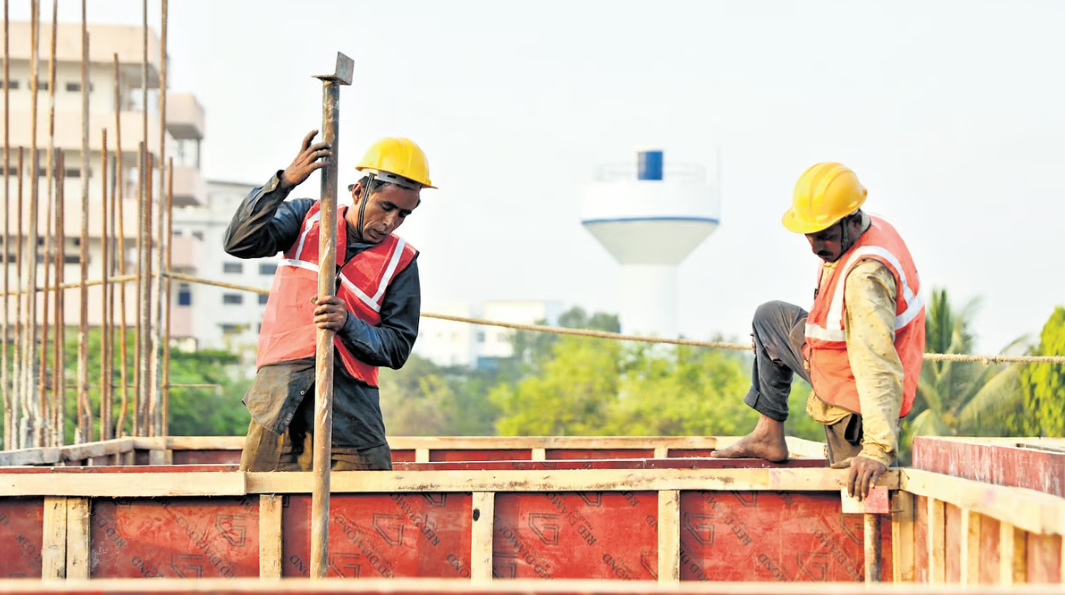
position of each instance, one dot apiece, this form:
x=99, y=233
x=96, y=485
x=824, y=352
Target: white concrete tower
x=651, y=218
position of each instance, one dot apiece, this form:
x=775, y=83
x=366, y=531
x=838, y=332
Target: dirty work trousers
x=779, y=334
x=293, y=451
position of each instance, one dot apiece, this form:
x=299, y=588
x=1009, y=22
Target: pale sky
x=950, y=112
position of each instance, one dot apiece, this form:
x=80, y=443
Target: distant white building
x=448, y=343
x=222, y=318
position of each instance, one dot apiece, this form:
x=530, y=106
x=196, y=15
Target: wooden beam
x=902, y=537
x=669, y=536
x=661, y=452
x=937, y=542
x=484, y=506
x=52, y=455
x=145, y=485
x=54, y=542
x=1012, y=555
x=797, y=479
x=270, y=536
x=78, y=560
x=421, y=455
x=970, y=547
x=539, y=454
x=1029, y=510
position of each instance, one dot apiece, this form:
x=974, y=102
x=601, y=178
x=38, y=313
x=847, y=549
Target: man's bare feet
x=766, y=442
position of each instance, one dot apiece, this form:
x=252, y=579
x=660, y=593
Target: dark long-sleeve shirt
x=266, y=224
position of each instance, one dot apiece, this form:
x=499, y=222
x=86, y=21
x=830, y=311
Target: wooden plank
x=902, y=538
x=669, y=536
x=147, y=485
x=52, y=455
x=421, y=455
x=54, y=543
x=937, y=542
x=78, y=560
x=270, y=536
x=661, y=452
x=970, y=547
x=483, y=510
x=160, y=457
x=1012, y=555
x=1029, y=510
x=539, y=454
x=776, y=479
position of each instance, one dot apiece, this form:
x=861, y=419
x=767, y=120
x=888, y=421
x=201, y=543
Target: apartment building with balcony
x=184, y=132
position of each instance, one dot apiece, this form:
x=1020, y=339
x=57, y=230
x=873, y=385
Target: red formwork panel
x=773, y=536
x=400, y=535
x=687, y=453
x=576, y=535
x=485, y=454
x=953, y=539
x=989, y=534
x=403, y=456
x=1044, y=559
x=920, y=540
x=21, y=537
x=175, y=538
x=206, y=457
x=562, y=454
x=993, y=463
x=130, y=469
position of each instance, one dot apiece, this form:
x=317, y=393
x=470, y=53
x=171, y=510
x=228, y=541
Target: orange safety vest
x=288, y=331
x=826, y=344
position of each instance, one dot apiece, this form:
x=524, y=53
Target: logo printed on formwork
x=591, y=498
x=814, y=565
x=503, y=569
x=746, y=499
x=854, y=526
x=648, y=565
x=389, y=527
x=233, y=532
x=699, y=526
x=345, y=565
x=546, y=527
x=436, y=500
x=184, y=565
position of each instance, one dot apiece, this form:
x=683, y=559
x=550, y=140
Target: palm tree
x=960, y=398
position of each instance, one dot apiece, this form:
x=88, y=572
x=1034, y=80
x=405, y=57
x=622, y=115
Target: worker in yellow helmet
x=860, y=346
x=375, y=312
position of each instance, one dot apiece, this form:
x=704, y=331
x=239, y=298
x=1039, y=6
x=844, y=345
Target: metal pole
x=323, y=387
x=45, y=435
x=157, y=384
x=169, y=297
x=137, y=336
x=105, y=330
x=31, y=281
x=143, y=236
x=9, y=411
x=85, y=416
x=119, y=199
x=59, y=380
x=873, y=544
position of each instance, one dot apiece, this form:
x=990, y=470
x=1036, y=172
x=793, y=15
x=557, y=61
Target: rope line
x=555, y=330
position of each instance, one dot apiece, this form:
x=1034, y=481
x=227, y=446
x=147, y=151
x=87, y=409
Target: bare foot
x=766, y=442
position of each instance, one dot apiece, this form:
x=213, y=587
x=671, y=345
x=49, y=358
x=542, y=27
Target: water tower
x=651, y=217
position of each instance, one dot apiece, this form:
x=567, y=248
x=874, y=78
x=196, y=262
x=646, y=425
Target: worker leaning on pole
x=375, y=312
x=861, y=346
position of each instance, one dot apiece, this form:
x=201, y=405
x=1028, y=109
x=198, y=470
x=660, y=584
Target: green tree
x=959, y=398
x=1043, y=386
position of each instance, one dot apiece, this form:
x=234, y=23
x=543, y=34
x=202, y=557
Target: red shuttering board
x=175, y=538
x=772, y=536
x=206, y=457
x=444, y=455
x=1044, y=559
x=21, y=536
x=401, y=535
x=576, y=535
x=993, y=463
x=560, y=454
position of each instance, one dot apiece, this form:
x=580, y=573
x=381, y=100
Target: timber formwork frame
x=559, y=508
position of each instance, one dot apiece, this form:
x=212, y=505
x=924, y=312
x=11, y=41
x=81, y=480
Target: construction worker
x=861, y=345
x=375, y=312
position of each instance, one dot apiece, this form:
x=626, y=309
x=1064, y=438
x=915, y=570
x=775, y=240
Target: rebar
x=169, y=297
x=18, y=404
x=29, y=342
x=105, y=353
x=157, y=377
x=120, y=426
x=5, y=376
x=144, y=343
x=85, y=406
x=59, y=379
x=46, y=435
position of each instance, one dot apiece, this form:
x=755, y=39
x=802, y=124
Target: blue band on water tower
x=649, y=166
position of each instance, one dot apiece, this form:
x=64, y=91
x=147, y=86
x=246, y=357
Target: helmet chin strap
x=362, y=204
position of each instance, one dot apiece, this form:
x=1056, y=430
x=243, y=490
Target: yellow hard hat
x=824, y=194
x=390, y=157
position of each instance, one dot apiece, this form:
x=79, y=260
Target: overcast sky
x=950, y=112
